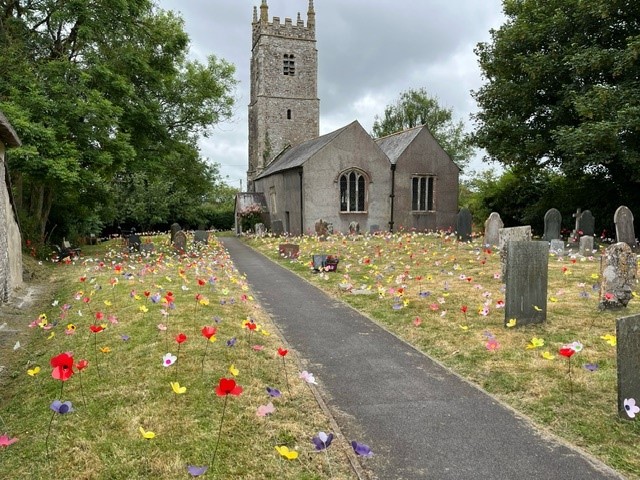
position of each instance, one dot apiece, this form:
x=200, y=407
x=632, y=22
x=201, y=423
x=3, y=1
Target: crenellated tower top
x=262, y=26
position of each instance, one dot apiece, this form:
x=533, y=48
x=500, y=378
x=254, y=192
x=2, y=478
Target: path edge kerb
x=539, y=429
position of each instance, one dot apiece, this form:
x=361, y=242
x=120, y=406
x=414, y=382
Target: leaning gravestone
x=492, y=227
x=175, y=228
x=586, y=246
x=526, y=282
x=506, y=235
x=618, y=269
x=552, y=224
x=625, y=232
x=180, y=241
x=587, y=223
x=628, y=354
x=201, y=237
x=464, y=223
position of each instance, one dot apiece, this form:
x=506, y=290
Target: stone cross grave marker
x=180, y=241
x=552, y=224
x=506, y=235
x=625, y=232
x=492, y=227
x=526, y=281
x=628, y=355
x=464, y=223
x=586, y=246
x=201, y=237
x=587, y=223
x=175, y=228
x=618, y=270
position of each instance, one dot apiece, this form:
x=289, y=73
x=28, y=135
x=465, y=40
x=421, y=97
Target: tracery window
x=353, y=191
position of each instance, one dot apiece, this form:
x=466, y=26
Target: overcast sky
x=369, y=51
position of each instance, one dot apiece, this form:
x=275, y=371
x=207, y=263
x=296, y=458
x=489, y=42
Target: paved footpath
x=421, y=420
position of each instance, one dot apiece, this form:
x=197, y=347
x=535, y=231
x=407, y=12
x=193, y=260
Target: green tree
x=102, y=92
x=561, y=92
x=416, y=107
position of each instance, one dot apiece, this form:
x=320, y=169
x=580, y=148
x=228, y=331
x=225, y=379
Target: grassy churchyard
x=447, y=298
x=160, y=395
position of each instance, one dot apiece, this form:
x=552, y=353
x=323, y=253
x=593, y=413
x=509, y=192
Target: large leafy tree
x=562, y=91
x=415, y=108
x=103, y=95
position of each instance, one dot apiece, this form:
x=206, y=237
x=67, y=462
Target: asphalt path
x=421, y=420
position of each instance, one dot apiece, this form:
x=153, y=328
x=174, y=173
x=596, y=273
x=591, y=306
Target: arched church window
x=353, y=191
x=288, y=65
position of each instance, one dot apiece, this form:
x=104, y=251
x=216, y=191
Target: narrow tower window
x=289, y=114
x=288, y=65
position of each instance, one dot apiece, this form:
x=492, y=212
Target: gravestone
x=289, y=250
x=625, y=232
x=515, y=234
x=260, y=229
x=492, y=227
x=354, y=228
x=586, y=246
x=464, y=223
x=322, y=229
x=552, y=224
x=574, y=234
x=180, y=241
x=175, y=228
x=557, y=246
x=277, y=227
x=374, y=229
x=526, y=282
x=147, y=248
x=618, y=269
x=628, y=354
x=587, y=223
x=201, y=237
x=134, y=242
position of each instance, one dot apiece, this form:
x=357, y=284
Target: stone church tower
x=284, y=108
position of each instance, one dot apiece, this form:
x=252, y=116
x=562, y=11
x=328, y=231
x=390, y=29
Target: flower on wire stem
x=225, y=387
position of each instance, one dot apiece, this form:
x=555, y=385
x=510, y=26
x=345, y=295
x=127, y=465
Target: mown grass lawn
x=446, y=298
x=135, y=418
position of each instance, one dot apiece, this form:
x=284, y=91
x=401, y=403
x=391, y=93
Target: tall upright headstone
x=492, y=227
x=464, y=222
x=587, y=223
x=625, y=232
x=628, y=353
x=180, y=241
x=618, y=270
x=526, y=282
x=507, y=235
x=175, y=228
x=552, y=224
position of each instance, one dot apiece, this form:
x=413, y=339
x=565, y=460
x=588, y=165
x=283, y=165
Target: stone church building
x=405, y=180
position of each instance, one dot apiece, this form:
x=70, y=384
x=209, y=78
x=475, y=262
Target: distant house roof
x=395, y=144
x=7, y=134
x=296, y=156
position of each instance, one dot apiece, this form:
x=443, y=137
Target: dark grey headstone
x=628, y=353
x=587, y=223
x=625, y=231
x=464, y=223
x=134, y=242
x=180, y=241
x=201, y=236
x=374, y=229
x=552, y=224
x=147, y=248
x=289, y=250
x=175, y=228
x=586, y=246
x=322, y=228
x=526, y=282
x=492, y=227
x=277, y=227
x=618, y=270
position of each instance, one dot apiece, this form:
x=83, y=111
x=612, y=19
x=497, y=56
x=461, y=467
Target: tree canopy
x=109, y=109
x=562, y=92
x=416, y=107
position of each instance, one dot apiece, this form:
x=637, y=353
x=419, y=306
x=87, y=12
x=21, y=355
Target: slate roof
x=7, y=134
x=298, y=155
x=395, y=144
